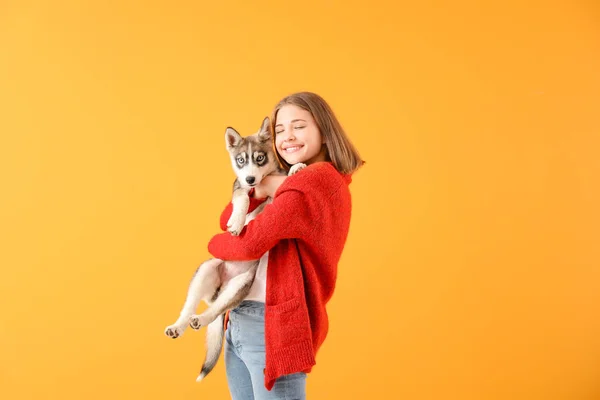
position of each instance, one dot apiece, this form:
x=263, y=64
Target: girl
x=272, y=337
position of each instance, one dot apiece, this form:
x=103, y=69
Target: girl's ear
x=264, y=133
x=232, y=138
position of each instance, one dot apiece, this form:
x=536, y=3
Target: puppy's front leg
x=295, y=168
x=241, y=203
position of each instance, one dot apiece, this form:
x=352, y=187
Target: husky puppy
x=224, y=284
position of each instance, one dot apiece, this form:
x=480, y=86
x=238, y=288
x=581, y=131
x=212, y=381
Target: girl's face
x=297, y=137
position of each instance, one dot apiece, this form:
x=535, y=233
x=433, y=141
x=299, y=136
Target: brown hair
x=340, y=151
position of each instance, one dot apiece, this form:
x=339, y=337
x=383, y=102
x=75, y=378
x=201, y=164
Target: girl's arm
x=289, y=216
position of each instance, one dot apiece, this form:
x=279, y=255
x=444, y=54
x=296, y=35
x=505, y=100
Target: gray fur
x=224, y=284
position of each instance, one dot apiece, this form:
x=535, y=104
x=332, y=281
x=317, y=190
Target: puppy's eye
x=240, y=160
x=260, y=158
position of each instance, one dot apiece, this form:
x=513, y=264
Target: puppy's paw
x=295, y=168
x=174, y=331
x=236, y=224
x=198, y=321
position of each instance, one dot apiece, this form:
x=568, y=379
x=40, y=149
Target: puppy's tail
x=214, y=342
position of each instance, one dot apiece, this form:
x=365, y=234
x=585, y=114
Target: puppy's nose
x=250, y=180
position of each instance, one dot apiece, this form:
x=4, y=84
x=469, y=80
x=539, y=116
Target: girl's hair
x=340, y=151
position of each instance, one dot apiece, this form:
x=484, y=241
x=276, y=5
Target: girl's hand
x=268, y=186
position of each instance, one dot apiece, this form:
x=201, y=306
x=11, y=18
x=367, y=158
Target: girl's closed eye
x=299, y=127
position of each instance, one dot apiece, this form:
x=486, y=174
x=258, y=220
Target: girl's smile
x=297, y=137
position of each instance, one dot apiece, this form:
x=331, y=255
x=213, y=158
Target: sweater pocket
x=288, y=323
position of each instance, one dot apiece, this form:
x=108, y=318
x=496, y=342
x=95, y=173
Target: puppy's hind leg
x=203, y=286
x=230, y=296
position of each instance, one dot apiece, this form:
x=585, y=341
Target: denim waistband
x=250, y=307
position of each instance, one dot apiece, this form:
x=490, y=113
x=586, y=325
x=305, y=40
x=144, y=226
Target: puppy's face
x=252, y=157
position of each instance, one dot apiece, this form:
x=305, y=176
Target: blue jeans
x=245, y=358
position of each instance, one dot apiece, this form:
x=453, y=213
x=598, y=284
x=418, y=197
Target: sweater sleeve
x=226, y=214
x=288, y=217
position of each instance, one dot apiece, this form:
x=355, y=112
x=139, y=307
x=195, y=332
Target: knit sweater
x=304, y=229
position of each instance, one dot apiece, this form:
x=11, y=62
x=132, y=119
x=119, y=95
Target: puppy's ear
x=232, y=138
x=265, y=130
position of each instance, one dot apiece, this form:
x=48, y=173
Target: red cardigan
x=304, y=230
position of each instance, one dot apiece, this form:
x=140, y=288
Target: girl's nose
x=289, y=136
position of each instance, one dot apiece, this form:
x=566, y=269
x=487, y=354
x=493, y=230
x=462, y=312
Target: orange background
x=472, y=266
